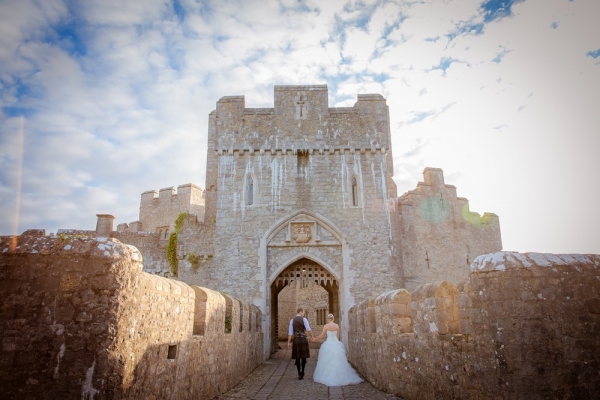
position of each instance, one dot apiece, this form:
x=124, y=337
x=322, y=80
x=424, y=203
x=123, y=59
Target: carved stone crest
x=302, y=233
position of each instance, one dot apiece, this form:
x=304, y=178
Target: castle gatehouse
x=303, y=182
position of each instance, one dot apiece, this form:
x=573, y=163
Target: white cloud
x=116, y=100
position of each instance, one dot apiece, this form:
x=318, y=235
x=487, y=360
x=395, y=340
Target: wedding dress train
x=333, y=369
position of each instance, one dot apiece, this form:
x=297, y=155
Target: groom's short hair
x=299, y=310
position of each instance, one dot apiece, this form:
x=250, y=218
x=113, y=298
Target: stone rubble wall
x=440, y=236
x=152, y=247
x=195, y=238
x=79, y=319
x=310, y=298
x=522, y=326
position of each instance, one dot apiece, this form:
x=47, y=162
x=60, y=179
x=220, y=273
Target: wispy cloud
x=114, y=95
x=500, y=55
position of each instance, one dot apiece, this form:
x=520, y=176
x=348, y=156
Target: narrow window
x=354, y=192
x=250, y=191
x=172, y=352
x=302, y=164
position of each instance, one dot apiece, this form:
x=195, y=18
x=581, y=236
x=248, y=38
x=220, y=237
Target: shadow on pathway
x=277, y=378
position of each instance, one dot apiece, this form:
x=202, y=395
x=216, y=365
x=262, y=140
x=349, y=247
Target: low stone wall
x=522, y=326
x=79, y=319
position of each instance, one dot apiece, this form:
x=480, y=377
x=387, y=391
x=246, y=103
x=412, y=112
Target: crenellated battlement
x=159, y=209
x=300, y=119
x=445, y=233
x=168, y=193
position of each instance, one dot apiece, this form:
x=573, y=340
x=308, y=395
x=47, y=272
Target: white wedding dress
x=333, y=369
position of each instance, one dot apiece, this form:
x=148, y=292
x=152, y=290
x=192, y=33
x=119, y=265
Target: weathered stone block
x=443, y=315
x=402, y=296
x=45, y=284
x=9, y=286
x=453, y=326
x=399, y=309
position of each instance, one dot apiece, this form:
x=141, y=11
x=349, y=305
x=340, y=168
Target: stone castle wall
x=312, y=298
x=196, y=238
x=521, y=326
x=301, y=119
x=81, y=320
x=158, y=211
x=301, y=157
x=152, y=247
x=440, y=236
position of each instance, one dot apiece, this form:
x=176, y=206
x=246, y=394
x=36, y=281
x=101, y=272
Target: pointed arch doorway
x=303, y=275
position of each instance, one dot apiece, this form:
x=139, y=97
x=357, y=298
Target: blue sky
x=103, y=100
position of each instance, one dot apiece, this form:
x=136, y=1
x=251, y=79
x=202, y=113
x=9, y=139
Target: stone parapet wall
x=152, y=247
x=522, y=326
x=79, y=319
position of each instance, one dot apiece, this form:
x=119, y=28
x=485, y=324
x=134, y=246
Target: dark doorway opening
x=306, y=282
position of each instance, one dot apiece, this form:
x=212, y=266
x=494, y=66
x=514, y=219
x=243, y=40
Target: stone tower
x=301, y=191
x=301, y=196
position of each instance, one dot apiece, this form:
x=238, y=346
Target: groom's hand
x=289, y=345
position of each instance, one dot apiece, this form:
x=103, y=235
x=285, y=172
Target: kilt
x=300, y=347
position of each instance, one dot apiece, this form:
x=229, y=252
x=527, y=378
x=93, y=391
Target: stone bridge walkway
x=277, y=378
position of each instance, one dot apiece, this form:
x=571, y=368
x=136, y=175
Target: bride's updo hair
x=330, y=317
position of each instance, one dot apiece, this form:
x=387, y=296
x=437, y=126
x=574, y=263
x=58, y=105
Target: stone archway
x=303, y=235
x=302, y=273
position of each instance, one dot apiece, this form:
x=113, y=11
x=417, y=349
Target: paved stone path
x=277, y=378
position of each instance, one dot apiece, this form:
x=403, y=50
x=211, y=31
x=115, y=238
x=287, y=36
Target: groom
x=297, y=331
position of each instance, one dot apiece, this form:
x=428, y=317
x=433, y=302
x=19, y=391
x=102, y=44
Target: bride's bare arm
x=322, y=333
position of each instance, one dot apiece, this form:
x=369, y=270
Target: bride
x=333, y=369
